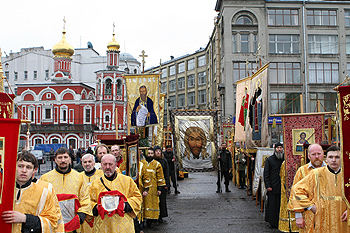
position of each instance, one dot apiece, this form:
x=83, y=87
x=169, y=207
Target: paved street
x=200, y=209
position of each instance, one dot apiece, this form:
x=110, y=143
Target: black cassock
x=272, y=179
x=162, y=198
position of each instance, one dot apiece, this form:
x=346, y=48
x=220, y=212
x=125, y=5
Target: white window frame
x=62, y=108
x=87, y=108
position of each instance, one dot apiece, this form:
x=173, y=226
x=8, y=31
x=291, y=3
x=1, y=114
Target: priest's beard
x=279, y=155
x=148, y=158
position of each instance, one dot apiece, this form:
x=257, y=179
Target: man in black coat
x=170, y=158
x=225, y=165
x=273, y=185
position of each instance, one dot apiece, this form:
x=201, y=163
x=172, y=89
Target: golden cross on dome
x=143, y=60
x=64, y=23
x=113, y=26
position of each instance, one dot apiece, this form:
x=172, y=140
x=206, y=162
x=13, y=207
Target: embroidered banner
x=256, y=126
x=9, y=137
x=143, y=99
x=344, y=113
x=6, y=105
x=242, y=100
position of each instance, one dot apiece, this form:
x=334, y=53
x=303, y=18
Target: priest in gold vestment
x=88, y=176
x=66, y=181
x=124, y=199
x=315, y=155
x=151, y=201
x=34, y=207
x=321, y=192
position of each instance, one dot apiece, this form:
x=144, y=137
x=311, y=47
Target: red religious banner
x=344, y=113
x=9, y=137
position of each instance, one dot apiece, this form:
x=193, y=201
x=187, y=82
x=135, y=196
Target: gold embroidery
x=346, y=106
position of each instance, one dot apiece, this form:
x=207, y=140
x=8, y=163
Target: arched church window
x=244, y=20
x=99, y=87
x=108, y=87
x=119, y=87
x=107, y=118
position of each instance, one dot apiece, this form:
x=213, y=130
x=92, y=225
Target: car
x=39, y=155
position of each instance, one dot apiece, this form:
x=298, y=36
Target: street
x=200, y=209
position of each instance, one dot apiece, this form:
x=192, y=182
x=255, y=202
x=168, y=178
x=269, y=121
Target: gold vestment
x=323, y=189
x=116, y=223
x=36, y=200
x=286, y=221
x=151, y=202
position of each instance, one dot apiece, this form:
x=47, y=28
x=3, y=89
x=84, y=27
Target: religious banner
x=6, y=105
x=257, y=121
x=132, y=157
x=143, y=99
x=262, y=154
x=8, y=158
x=344, y=113
x=228, y=131
x=242, y=100
x=194, y=138
x=298, y=123
x=160, y=129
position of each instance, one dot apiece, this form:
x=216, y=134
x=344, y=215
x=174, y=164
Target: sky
x=162, y=28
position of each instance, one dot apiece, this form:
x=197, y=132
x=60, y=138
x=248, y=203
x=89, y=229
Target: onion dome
x=62, y=48
x=113, y=45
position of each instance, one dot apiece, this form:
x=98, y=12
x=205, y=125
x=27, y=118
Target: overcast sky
x=160, y=27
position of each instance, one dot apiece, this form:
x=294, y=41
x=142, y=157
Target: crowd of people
x=315, y=203
x=93, y=196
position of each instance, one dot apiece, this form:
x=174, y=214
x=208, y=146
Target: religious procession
x=246, y=134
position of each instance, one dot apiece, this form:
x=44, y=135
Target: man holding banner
x=321, y=192
x=34, y=209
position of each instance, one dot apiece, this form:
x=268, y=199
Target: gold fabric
x=37, y=200
x=87, y=181
x=151, y=202
x=70, y=183
x=115, y=223
x=160, y=128
x=323, y=189
x=60, y=222
x=308, y=216
x=286, y=221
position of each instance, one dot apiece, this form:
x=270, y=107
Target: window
x=244, y=20
x=99, y=87
x=347, y=18
x=181, y=100
x=163, y=88
x=48, y=95
x=172, y=85
x=108, y=88
x=201, y=61
x=46, y=74
x=202, y=96
x=284, y=73
x=323, y=44
x=16, y=76
x=38, y=141
x=25, y=75
x=48, y=113
x=327, y=100
x=31, y=114
x=322, y=17
x=54, y=141
x=284, y=44
x=119, y=87
x=348, y=67
x=244, y=43
x=191, y=99
x=7, y=74
x=347, y=44
x=107, y=117
x=64, y=115
x=255, y=42
x=164, y=73
x=172, y=70
x=15, y=91
x=35, y=75
x=181, y=83
x=190, y=64
x=87, y=115
x=287, y=17
x=234, y=43
x=182, y=67
x=202, y=78
x=285, y=103
x=240, y=70
x=323, y=72
x=190, y=80
x=7, y=90
x=172, y=101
